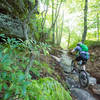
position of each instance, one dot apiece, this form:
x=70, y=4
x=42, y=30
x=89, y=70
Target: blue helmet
x=78, y=44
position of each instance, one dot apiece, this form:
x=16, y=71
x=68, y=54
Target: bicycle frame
x=81, y=73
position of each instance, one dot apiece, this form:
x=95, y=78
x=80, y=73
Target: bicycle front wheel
x=83, y=79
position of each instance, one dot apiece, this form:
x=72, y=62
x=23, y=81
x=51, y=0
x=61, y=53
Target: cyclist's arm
x=76, y=49
x=73, y=51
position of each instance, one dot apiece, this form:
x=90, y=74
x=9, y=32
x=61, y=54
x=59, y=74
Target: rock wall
x=10, y=26
x=12, y=16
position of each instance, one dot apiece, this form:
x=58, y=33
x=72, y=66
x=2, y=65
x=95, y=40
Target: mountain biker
x=82, y=53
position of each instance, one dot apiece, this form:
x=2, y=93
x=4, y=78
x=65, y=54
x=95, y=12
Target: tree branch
x=29, y=65
x=25, y=23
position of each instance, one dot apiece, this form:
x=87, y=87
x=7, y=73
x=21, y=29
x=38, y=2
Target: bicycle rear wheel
x=83, y=79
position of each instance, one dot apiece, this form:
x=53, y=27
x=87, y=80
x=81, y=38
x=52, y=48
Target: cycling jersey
x=84, y=47
x=82, y=52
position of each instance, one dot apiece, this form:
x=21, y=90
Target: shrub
x=46, y=89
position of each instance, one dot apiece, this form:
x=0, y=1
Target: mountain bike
x=83, y=77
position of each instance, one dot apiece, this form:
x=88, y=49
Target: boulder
x=15, y=15
x=92, y=81
x=95, y=89
x=11, y=27
x=81, y=94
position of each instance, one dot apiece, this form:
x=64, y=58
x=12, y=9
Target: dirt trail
x=72, y=80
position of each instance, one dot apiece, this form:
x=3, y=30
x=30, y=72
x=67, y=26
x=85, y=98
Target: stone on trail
x=81, y=94
x=92, y=81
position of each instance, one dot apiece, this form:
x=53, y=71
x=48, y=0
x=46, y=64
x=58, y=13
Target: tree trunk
x=61, y=29
x=26, y=22
x=53, y=28
x=29, y=65
x=27, y=37
x=56, y=17
x=85, y=21
x=56, y=33
x=68, y=39
x=97, y=26
x=44, y=14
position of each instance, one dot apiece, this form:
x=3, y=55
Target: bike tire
x=83, y=82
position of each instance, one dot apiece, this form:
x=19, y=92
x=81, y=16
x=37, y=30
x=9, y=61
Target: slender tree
x=53, y=28
x=44, y=15
x=54, y=18
x=69, y=38
x=25, y=27
x=61, y=30
x=85, y=21
x=97, y=26
x=26, y=21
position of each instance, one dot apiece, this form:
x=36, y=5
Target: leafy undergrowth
x=14, y=59
x=89, y=43
x=47, y=89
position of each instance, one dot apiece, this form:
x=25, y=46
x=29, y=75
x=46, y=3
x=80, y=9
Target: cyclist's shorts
x=84, y=61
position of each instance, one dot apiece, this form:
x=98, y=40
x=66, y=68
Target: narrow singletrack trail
x=72, y=80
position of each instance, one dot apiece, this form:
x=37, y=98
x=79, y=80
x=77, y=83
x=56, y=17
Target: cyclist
x=82, y=53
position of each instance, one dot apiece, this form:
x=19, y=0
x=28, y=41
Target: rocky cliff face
x=10, y=26
x=12, y=16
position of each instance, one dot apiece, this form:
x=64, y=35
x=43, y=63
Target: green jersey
x=84, y=47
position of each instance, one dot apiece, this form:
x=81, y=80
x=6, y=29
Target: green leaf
x=9, y=40
x=21, y=77
x=23, y=90
x=5, y=58
x=29, y=76
x=13, y=76
x=6, y=68
x=33, y=1
x=4, y=74
x=0, y=54
x=17, y=91
x=5, y=86
x=5, y=50
x=27, y=83
x=0, y=87
x=27, y=97
x=2, y=35
x=7, y=95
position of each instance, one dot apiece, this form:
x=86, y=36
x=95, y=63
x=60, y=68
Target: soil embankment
x=93, y=64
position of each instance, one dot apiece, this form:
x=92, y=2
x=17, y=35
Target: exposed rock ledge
x=11, y=27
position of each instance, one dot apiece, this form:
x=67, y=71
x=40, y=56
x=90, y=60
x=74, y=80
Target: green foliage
x=13, y=81
x=47, y=89
x=45, y=48
x=41, y=66
x=74, y=43
x=90, y=43
x=46, y=67
x=33, y=1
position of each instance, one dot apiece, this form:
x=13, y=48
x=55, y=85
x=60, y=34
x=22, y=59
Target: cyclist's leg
x=84, y=67
x=78, y=58
x=84, y=61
